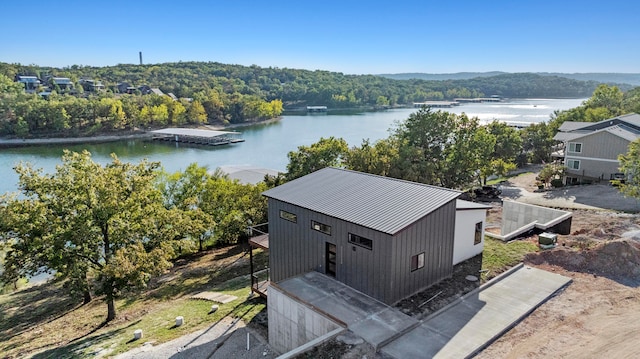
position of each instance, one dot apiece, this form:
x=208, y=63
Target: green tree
x=327, y=152
x=537, y=141
x=105, y=228
x=185, y=191
x=375, y=159
x=439, y=148
x=630, y=166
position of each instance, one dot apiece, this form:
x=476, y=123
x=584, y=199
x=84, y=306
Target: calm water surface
x=267, y=145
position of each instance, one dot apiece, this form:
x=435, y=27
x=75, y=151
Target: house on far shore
x=31, y=83
x=590, y=149
x=90, y=85
x=64, y=84
x=384, y=237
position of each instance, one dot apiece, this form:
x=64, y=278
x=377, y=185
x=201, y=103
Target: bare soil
x=598, y=314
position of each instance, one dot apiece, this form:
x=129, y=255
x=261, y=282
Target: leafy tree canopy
x=104, y=227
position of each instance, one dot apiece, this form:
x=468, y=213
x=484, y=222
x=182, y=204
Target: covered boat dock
x=197, y=136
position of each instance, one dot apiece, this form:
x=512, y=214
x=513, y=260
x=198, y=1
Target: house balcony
x=259, y=277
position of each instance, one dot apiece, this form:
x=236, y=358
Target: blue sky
x=353, y=37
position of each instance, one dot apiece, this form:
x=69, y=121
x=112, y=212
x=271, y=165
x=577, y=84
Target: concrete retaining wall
x=518, y=218
x=292, y=323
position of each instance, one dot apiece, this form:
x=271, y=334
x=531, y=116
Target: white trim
x=574, y=146
x=571, y=166
x=590, y=159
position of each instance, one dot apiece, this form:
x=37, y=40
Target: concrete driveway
x=595, y=197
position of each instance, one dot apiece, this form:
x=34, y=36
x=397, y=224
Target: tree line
x=30, y=115
x=106, y=230
x=296, y=87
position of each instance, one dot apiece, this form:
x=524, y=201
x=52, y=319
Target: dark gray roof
x=384, y=204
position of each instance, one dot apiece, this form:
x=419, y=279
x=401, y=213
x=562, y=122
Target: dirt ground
x=598, y=314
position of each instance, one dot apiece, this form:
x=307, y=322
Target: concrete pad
x=472, y=322
x=366, y=317
x=215, y=297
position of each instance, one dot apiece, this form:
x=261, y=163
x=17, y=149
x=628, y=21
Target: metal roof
x=193, y=132
x=568, y=126
x=384, y=204
x=621, y=131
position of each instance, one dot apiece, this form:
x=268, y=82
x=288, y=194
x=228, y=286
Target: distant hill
x=602, y=77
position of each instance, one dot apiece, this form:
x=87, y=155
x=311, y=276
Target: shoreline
x=25, y=142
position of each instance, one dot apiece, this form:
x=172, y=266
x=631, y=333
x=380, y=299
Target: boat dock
x=317, y=108
x=436, y=104
x=198, y=137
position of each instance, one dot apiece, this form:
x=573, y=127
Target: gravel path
x=594, y=196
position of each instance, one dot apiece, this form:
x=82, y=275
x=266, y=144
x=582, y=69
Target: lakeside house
x=31, y=83
x=90, y=85
x=385, y=237
x=368, y=240
x=590, y=150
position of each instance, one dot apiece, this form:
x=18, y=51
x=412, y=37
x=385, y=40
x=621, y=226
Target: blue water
x=267, y=145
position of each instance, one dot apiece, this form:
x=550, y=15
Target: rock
x=471, y=278
x=349, y=338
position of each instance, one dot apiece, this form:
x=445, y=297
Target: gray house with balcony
x=591, y=149
x=385, y=237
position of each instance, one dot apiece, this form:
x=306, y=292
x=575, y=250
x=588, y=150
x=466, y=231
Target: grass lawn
x=44, y=322
x=499, y=256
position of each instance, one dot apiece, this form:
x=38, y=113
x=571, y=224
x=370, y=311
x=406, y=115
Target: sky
x=352, y=37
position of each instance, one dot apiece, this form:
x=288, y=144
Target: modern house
x=31, y=83
x=63, y=84
x=384, y=237
x=90, y=85
x=590, y=149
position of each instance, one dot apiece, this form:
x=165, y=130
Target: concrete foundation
x=293, y=323
x=519, y=218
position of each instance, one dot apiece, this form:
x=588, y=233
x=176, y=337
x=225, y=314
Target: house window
x=417, y=261
x=478, y=235
x=321, y=227
x=575, y=147
x=360, y=241
x=288, y=216
x=573, y=164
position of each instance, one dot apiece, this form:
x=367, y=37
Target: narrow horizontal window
x=288, y=216
x=417, y=261
x=321, y=227
x=360, y=241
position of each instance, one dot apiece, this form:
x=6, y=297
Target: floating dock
x=198, y=137
x=317, y=108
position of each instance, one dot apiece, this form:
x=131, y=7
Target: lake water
x=267, y=145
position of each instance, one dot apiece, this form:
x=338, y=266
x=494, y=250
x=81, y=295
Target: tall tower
x=140, y=57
